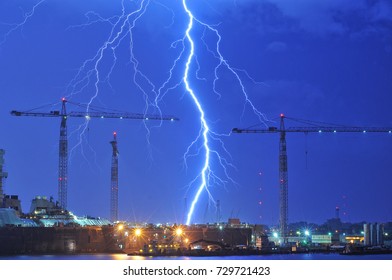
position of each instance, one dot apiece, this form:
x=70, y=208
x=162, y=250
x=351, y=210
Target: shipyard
x=48, y=228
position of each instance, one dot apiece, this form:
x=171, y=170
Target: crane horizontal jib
x=96, y=115
x=315, y=129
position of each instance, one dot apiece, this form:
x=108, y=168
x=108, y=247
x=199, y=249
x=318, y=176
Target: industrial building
x=373, y=234
x=7, y=201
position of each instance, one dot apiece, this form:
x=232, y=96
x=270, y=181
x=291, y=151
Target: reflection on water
x=262, y=257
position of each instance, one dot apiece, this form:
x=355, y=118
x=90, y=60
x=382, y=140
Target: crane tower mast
x=63, y=160
x=283, y=183
x=114, y=181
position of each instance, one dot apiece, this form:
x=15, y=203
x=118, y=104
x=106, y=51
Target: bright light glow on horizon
x=138, y=232
x=179, y=231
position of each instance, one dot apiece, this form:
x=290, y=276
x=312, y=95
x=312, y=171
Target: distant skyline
x=327, y=61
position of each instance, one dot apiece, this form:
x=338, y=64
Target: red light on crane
x=63, y=99
x=282, y=115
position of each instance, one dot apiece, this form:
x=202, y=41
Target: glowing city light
x=138, y=232
x=179, y=231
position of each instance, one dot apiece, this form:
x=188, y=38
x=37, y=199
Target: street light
x=179, y=231
x=121, y=237
x=138, y=232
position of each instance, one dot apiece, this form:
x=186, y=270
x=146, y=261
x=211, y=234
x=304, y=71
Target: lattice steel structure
x=114, y=181
x=63, y=160
x=283, y=184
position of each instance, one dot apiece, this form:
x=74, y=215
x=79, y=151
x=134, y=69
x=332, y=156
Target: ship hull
x=57, y=240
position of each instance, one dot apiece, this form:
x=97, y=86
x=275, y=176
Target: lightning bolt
x=205, y=133
x=16, y=26
x=205, y=129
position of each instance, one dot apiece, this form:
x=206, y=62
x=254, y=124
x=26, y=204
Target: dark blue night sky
x=328, y=61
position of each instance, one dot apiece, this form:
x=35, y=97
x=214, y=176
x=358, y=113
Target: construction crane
x=114, y=180
x=90, y=112
x=313, y=127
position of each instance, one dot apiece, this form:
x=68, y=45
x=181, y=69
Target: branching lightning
x=205, y=129
x=205, y=133
x=90, y=71
x=16, y=26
